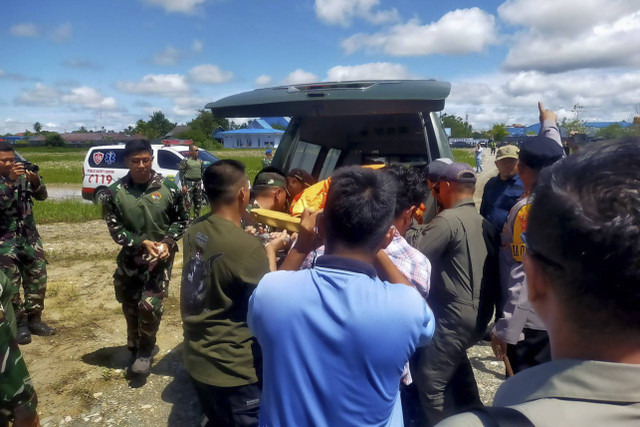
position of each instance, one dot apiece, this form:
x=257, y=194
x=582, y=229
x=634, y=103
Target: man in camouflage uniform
x=21, y=252
x=191, y=169
x=145, y=214
x=18, y=399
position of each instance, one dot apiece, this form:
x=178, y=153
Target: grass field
x=65, y=211
x=465, y=155
x=64, y=165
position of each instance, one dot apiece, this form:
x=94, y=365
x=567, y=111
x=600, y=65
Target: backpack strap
x=505, y=417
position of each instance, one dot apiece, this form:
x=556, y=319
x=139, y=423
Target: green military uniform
x=21, y=251
x=191, y=177
x=461, y=247
x=17, y=396
x=222, y=266
x=134, y=213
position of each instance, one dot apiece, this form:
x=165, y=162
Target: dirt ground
x=79, y=372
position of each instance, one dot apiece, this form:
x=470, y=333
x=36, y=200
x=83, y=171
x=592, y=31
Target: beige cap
x=507, y=152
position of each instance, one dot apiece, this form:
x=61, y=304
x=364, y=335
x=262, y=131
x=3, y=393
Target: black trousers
x=442, y=373
x=229, y=406
x=532, y=351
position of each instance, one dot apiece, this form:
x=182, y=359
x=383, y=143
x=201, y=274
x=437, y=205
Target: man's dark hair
x=359, y=208
x=584, y=231
x=136, y=146
x=412, y=190
x=5, y=146
x=222, y=179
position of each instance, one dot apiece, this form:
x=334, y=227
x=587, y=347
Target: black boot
x=142, y=364
x=38, y=327
x=24, y=335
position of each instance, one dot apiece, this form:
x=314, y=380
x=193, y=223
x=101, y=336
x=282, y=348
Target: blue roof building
x=259, y=133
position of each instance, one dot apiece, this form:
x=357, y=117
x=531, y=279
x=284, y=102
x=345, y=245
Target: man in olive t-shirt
x=222, y=266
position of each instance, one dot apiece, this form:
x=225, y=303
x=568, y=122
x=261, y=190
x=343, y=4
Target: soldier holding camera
x=21, y=251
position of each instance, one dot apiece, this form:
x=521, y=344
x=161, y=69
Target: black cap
x=458, y=172
x=539, y=151
x=303, y=176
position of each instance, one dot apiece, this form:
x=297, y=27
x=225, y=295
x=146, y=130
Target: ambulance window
x=330, y=163
x=168, y=160
x=107, y=158
x=305, y=156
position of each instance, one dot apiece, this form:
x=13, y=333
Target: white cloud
x=567, y=35
x=27, y=29
x=89, y=97
x=211, y=74
x=371, y=71
x=187, y=106
x=10, y=125
x=458, y=32
x=342, y=12
x=263, y=80
x=157, y=84
x=179, y=6
x=62, y=33
x=197, y=46
x=299, y=76
x=40, y=96
x=512, y=97
x=567, y=17
x=167, y=56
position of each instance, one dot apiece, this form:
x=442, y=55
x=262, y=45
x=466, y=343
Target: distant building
x=177, y=130
x=259, y=133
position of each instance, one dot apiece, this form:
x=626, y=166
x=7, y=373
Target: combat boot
x=142, y=364
x=24, y=335
x=38, y=327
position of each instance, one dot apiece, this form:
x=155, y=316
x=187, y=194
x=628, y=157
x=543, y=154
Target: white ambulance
x=104, y=165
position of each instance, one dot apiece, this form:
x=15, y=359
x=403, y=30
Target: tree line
x=201, y=128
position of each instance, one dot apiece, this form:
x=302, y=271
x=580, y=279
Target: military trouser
x=193, y=196
x=140, y=287
x=443, y=375
x=23, y=261
x=18, y=399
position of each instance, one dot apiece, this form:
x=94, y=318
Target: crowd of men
x=365, y=316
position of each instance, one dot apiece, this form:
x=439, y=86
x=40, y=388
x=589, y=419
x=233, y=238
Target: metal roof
x=336, y=99
x=253, y=131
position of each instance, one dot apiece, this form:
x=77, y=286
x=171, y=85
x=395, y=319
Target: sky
x=108, y=63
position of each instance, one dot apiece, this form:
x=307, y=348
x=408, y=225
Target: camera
x=31, y=167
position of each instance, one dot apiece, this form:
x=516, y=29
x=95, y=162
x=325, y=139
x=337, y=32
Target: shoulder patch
x=518, y=248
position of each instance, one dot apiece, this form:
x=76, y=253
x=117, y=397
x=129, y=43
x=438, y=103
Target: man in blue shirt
x=335, y=338
x=503, y=191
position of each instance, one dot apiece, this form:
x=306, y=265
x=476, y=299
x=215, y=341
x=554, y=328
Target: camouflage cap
x=507, y=152
x=269, y=179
